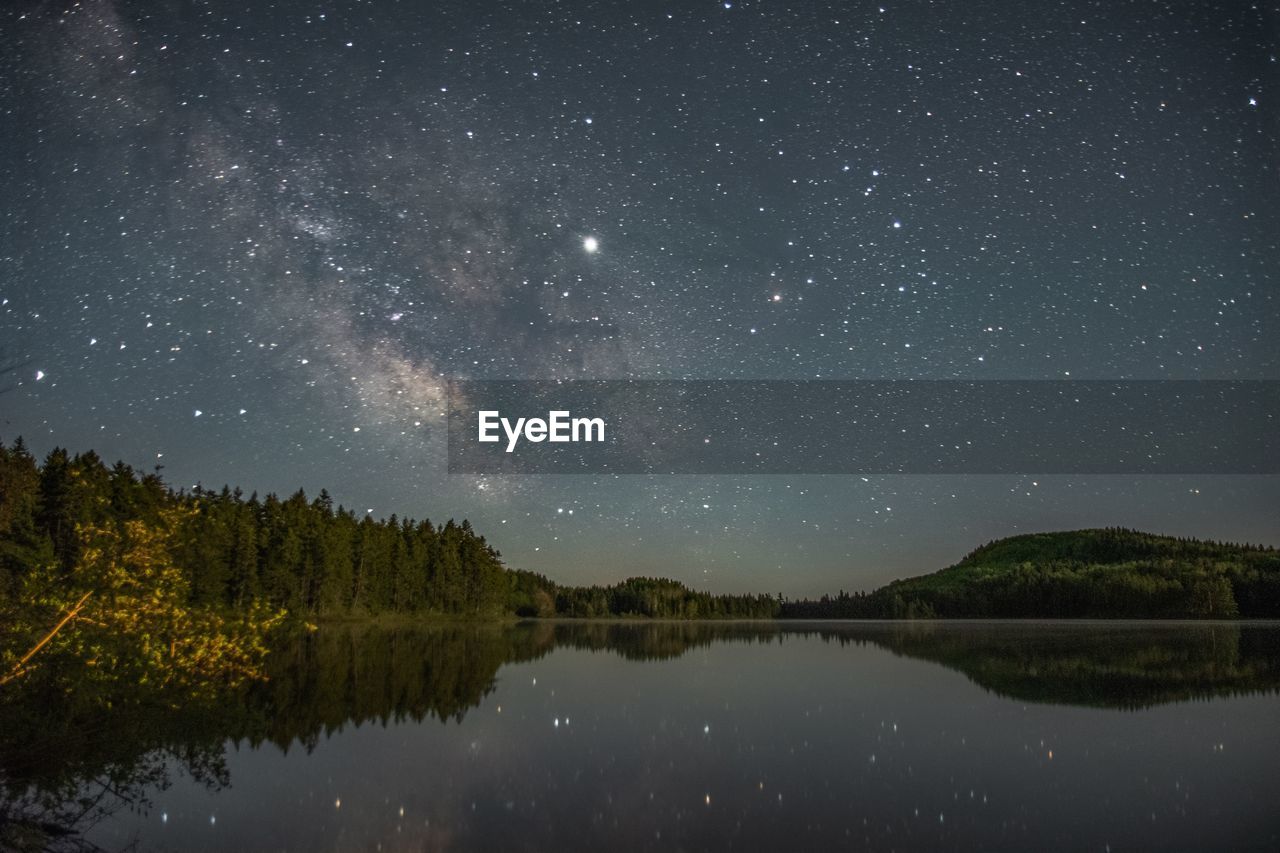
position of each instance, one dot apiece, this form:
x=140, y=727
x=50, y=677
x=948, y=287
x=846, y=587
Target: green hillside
x=1107, y=573
x=1100, y=573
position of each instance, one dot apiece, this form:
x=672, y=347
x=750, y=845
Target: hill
x=1097, y=573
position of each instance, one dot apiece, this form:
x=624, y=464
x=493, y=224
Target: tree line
x=303, y=555
x=317, y=560
x=1102, y=573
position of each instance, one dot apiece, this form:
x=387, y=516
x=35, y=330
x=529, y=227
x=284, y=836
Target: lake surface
x=693, y=736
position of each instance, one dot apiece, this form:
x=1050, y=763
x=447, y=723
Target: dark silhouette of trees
x=659, y=598
x=318, y=560
x=309, y=557
x=1103, y=573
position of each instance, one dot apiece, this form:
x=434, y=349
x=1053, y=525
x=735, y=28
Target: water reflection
x=1098, y=664
x=71, y=761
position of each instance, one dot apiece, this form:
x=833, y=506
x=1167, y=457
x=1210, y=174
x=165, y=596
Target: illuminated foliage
x=131, y=616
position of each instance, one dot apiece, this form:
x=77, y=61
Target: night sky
x=250, y=241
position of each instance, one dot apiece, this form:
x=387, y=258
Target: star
x=444, y=225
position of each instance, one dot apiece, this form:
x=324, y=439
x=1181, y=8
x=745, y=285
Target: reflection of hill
x=1106, y=665
x=1098, y=665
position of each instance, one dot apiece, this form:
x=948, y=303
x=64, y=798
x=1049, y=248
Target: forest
x=1102, y=573
x=301, y=555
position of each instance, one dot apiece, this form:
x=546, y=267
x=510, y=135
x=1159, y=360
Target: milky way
x=251, y=245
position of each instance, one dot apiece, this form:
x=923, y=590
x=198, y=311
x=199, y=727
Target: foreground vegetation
x=110, y=566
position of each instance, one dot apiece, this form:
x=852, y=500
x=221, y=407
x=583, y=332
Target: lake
x=690, y=736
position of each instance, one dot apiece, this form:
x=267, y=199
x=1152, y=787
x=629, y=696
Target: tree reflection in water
x=70, y=757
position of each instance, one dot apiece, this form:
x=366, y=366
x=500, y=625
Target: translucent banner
x=864, y=427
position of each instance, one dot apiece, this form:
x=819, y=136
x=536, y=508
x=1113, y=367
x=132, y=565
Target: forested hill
x=304, y=555
x=1100, y=573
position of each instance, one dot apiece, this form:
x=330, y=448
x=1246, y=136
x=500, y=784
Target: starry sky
x=251, y=242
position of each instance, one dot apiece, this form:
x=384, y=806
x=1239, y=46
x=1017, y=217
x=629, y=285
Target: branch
x=71, y=614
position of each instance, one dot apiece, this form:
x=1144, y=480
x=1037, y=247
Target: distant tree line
x=1102, y=573
x=659, y=598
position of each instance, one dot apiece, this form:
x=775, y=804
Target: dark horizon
x=312, y=558
x=952, y=552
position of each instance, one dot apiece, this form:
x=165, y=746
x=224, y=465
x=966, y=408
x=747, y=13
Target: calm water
x=702, y=736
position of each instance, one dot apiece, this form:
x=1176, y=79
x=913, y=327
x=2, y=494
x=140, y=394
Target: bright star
x=591, y=244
